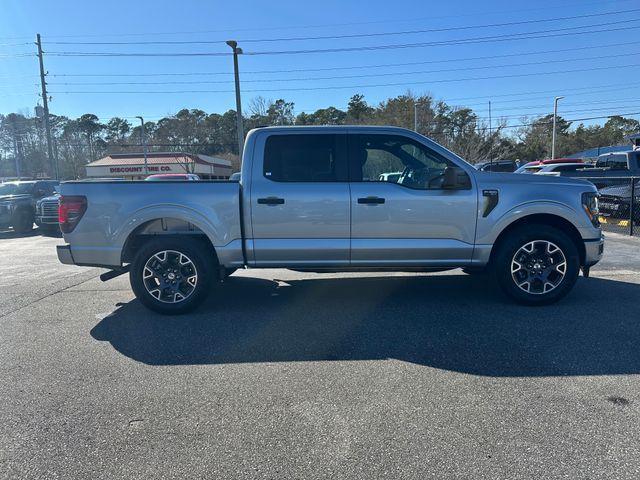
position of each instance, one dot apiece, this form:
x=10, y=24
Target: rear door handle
x=271, y=201
x=371, y=200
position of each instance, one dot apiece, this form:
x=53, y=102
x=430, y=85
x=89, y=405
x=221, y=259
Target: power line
x=342, y=87
x=16, y=55
x=583, y=110
x=557, y=90
x=575, y=92
x=569, y=105
x=326, y=25
x=464, y=41
x=306, y=79
x=14, y=44
x=461, y=41
x=352, y=67
x=571, y=120
x=354, y=35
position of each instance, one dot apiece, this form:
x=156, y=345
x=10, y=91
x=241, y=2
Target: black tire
x=229, y=271
x=50, y=230
x=22, y=221
x=506, y=254
x=200, y=256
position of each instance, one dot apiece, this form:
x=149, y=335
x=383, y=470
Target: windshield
x=8, y=189
x=15, y=188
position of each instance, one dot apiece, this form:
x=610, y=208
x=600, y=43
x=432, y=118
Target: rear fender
x=211, y=227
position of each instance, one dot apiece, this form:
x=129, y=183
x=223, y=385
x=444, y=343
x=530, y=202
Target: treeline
x=76, y=142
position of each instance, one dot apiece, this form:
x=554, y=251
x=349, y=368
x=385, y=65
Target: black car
x=498, y=166
x=18, y=200
x=615, y=201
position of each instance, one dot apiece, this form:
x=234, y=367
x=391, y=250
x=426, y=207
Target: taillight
x=70, y=211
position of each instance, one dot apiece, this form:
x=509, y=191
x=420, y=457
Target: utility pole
x=237, y=51
x=143, y=138
x=490, y=139
x=45, y=104
x=415, y=117
x=553, y=133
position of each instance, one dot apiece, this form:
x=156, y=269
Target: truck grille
x=49, y=209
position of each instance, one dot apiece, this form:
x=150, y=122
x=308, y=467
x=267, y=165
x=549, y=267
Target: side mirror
x=456, y=178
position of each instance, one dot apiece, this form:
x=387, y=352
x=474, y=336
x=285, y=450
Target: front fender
x=490, y=228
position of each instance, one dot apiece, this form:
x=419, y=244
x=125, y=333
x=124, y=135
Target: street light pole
x=240, y=128
x=144, y=145
x=553, y=133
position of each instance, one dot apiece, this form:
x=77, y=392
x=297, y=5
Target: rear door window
x=305, y=158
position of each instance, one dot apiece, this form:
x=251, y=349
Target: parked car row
x=614, y=174
x=18, y=201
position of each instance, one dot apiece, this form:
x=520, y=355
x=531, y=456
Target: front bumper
x=64, y=254
x=41, y=220
x=593, y=250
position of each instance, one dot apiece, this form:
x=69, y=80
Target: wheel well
x=163, y=227
x=543, y=219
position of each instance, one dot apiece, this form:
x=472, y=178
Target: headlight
x=590, y=205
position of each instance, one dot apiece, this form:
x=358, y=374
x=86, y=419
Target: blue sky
x=600, y=69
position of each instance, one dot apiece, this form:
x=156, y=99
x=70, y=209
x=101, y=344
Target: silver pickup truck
x=312, y=199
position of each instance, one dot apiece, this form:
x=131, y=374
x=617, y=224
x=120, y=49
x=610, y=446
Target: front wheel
x=22, y=221
x=537, y=265
x=171, y=275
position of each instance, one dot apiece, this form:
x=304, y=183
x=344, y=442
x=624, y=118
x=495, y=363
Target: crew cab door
x=300, y=211
x=406, y=218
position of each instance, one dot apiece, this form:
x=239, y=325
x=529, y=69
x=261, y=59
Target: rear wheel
x=172, y=275
x=537, y=265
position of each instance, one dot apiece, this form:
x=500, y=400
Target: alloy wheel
x=170, y=276
x=538, y=267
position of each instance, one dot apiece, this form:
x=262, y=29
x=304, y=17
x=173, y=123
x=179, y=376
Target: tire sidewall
x=199, y=255
x=22, y=221
x=519, y=238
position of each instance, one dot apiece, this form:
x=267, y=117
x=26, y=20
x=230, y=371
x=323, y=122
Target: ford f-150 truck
x=312, y=199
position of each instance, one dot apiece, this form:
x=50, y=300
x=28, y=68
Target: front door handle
x=371, y=200
x=271, y=201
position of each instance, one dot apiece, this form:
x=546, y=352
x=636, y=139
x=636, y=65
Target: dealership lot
x=290, y=375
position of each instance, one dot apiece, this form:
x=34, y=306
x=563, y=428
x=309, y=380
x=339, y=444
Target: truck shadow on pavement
x=451, y=322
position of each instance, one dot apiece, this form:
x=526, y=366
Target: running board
x=114, y=273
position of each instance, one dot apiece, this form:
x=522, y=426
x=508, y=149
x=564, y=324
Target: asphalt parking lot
x=289, y=375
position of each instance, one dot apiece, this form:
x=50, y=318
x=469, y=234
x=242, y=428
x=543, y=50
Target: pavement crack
x=36, y=297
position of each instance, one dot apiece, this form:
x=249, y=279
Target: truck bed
x=116, y=209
